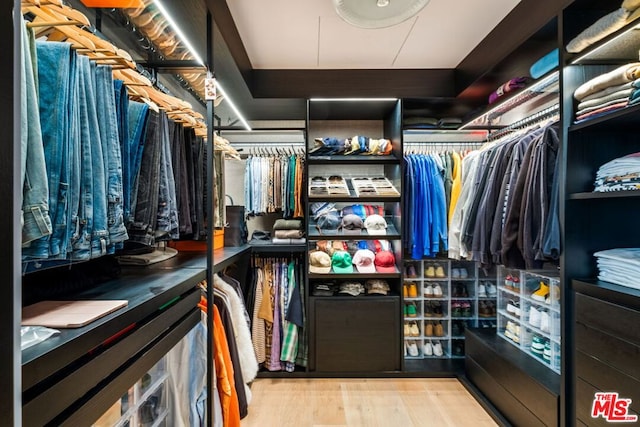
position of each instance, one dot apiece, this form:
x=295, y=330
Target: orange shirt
x=224, y=373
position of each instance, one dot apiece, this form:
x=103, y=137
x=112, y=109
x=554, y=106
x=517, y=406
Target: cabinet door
x=356, y=335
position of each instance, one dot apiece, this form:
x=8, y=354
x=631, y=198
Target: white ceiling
x=308, y=34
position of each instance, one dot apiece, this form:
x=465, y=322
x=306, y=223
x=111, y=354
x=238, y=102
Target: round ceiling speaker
x=377, y=13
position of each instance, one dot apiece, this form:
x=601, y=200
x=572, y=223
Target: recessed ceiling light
x=383, y=3
x=379, y=13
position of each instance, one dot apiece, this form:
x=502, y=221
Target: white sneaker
x=534, y=317
x=427, y=349
x=405, y=349
x=428, y=292
x=437, y=349
x=545, y=321
x=513, y=307
x=437, y=291
x=492, y=290
x=455, y=273
x=510, y=329
x=413, y=349
x=482, y=291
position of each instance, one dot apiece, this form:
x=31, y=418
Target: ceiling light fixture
x=178, y=31
x=379, y=13
x=232, y=105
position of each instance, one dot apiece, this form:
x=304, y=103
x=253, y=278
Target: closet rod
x=528, y=121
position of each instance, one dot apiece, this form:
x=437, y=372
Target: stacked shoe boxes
x=529, y=313
x=441, y=299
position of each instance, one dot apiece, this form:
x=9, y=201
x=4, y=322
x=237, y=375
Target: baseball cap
x=319, y=262
x=323, y=289
x=385, y=262
x=375, y=225
x=351, y=224
x=341, y=262
x=377, y=286
x=351, y=288
x=364, y=261
x=328, y=221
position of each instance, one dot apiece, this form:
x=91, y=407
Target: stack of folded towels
x=288, y=232
x=621, y=174
x=620, y=266
x=629, y=11
x=608, y=92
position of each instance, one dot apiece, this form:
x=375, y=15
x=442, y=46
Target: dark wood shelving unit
x=352, y=159
x=626, y=118
x=604, y=195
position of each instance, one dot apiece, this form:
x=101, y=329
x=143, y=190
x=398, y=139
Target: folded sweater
x=624, y=74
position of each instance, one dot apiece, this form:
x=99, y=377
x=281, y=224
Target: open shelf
x=354, y=198
x=352, y=159
x=276, y=248
x=392, y=233
x=595, y=195
x=620, y=47
x=355, y=275
x=626, y=118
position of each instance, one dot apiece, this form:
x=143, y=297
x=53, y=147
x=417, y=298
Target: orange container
x=218, y=238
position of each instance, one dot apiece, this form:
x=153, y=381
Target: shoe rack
x=441, y=298
x=529, y=313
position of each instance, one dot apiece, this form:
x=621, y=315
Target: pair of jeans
x=146, y=188
x=56, y=66
x=167, y=222
x=131, y=150
x=35, y=187
x=109, y=136
x=179, y=163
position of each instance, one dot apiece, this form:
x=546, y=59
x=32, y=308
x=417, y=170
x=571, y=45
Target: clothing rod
x=442, y=143
x=269, y=144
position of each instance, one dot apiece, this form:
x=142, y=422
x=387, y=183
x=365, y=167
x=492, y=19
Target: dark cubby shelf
x=609, y=195
x=624, y=118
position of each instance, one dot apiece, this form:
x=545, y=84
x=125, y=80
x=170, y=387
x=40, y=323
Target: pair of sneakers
x=410, y=290
x=513, y=308
x=512, y=331
x=410, y=310
x=435, y=270
x=512, y=283
x=459, y=273
x=539, y=318
x=541, y=347
x=545, y=293
x=434, y=329
x=433, y=349
x=487, y=290
x=411, y=329
x=411, y=349
x=433, y=291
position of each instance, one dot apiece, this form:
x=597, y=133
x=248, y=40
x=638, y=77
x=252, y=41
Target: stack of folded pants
x=288, y=232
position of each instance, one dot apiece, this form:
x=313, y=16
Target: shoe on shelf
x=466, y=309
x=464, y=274
x=455, y=273
x=427, y=349
x=534, y=317
x=437, y=349
x=515, y=284
x=407, y=329
x=428, y=309
x=482, y=291
x=413, y=349
x=405, y=349
x=411, y=271
x=464, y=293
x=508, y=282
x=438, y=330
x=428, y=292
x=513, y=308
x=412, y=310
x=437, y=291
x=492, y=308
x=492, y=291
x=541, y=293
x=484, y=310
x=413, y=290
x=456, y=309
x=537, y=345
x=440, y=271
x=405, y=290
x=437, y=309
x=414, y=330
x=458, y=348
x=431, y=272
x=456, y=331
x=428, y=330
x=546, y=354
x=545, y=321
x=555, y=293
x=510, y=330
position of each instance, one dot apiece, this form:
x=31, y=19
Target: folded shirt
x=621, y=94
x=621, y=75
x=604, y=26
x=510, y=86
x=288, y=234
x=277, y=241
x=545, y=64
x=602, y=106
x=287, y=224
x=158, y=255
x=602, y=111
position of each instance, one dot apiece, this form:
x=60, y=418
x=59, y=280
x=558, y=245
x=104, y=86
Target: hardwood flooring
x=363, y=403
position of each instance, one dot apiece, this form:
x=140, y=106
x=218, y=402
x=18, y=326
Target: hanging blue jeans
x=56, y=64
x=108, y=123
x=132, y=150
x=35, y=193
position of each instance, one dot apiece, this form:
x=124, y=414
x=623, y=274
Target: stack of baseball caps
x=372, y=256
x=351, y=146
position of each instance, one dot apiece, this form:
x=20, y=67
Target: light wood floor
x=363, y=402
